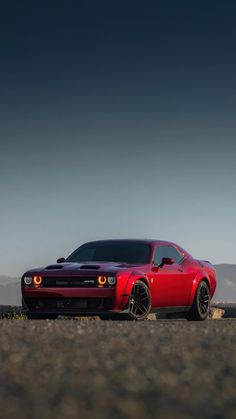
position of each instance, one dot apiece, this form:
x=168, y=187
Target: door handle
x=180, y=270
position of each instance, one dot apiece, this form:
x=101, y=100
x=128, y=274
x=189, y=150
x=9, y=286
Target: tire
x=35, y=316
x=140, y=302
x=201, y=304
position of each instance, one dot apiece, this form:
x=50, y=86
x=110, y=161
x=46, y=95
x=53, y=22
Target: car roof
x=147, y=241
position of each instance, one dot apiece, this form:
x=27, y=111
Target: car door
x=171, y=283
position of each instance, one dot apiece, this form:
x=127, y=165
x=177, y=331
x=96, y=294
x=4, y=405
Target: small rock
x=216, y=313
x=152, y=316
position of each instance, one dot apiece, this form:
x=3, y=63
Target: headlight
x=102, y=280
x=111, y=280
x=27, y=280
x=37, y=280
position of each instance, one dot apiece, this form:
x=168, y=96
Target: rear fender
x=201, y=276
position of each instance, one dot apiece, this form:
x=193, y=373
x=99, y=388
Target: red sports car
x=121, y=278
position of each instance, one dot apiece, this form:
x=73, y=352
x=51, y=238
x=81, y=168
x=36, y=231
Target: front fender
x=129, y=285
x=201, y=275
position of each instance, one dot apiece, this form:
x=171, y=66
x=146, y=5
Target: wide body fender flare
x=201, y=276
x=135, y=276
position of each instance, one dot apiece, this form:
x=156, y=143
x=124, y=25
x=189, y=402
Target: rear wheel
x=201, y=304
x=139, y=301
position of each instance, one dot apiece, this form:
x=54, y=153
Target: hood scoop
x=90, y=267
x=56, y=267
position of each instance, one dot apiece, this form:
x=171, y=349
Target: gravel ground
x=93, y=369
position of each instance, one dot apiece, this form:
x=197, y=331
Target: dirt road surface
x=68, y=369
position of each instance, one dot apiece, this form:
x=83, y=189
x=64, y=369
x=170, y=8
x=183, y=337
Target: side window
x=167, y=252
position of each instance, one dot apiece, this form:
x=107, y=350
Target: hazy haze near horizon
x=117, y=120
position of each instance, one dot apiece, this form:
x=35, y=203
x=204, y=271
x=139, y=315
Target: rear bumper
x=70, y=301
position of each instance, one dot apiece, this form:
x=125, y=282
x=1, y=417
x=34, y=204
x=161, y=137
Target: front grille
x=69, y=282
x=79, y=304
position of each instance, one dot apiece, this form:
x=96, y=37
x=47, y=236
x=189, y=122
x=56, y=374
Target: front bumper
x=69, y=300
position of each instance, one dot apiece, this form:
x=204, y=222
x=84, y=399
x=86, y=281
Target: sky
x=117, y=120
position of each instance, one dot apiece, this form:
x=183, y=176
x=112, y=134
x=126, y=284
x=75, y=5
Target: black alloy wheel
x=201, y=305
x=139, y=301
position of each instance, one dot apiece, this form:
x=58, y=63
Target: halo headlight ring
x=111, y=280
x=102, y=280
x=37, y=280
x=27, y=280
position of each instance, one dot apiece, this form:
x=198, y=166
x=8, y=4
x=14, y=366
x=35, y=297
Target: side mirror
x=166, y=261
x=61, y=260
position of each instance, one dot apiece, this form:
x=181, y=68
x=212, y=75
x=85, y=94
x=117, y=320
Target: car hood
x=89, y=268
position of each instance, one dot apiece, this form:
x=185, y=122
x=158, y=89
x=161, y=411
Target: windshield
x=126, y=252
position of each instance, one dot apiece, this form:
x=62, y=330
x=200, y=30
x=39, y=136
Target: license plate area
x=77, y=303
x=69, y=304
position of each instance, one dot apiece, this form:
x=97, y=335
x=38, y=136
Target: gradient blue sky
x=117, y=119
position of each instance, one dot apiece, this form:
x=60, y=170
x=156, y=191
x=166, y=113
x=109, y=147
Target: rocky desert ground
x=104, y=369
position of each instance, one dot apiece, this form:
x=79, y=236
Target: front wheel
x=140, y=301
x=201, y=304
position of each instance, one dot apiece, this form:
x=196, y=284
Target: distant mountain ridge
x=10, y=292
x=226, y=283
x=6, y=280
